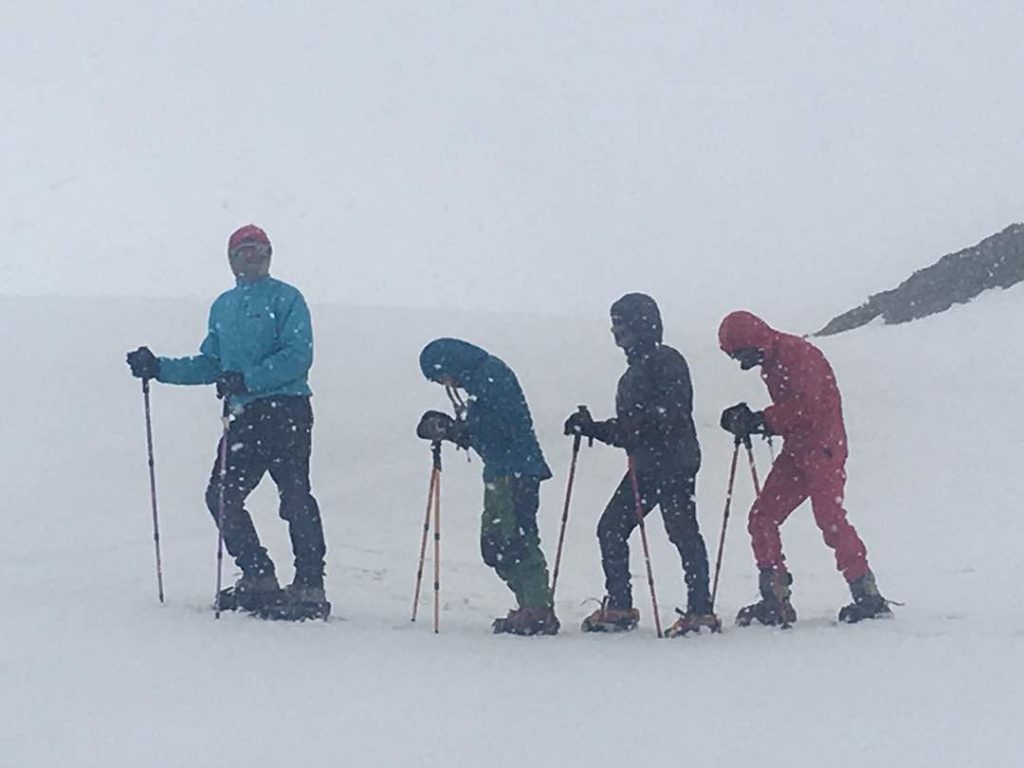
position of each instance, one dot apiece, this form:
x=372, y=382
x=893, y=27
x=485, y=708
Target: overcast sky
x=788, y=157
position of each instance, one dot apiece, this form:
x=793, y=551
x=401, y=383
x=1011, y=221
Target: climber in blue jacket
x=258, y=351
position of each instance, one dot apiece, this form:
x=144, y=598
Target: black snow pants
x=674, y=493
x=274, y=435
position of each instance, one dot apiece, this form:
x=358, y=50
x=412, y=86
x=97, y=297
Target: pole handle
x=583, y=411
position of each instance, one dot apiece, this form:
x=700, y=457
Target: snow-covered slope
x=94, y=672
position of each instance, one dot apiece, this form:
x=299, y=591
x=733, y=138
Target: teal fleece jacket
x=260, y=328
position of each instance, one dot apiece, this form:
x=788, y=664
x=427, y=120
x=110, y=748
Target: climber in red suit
x=806, y=411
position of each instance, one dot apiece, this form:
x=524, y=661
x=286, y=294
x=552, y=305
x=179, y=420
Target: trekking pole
x=753, y=466
x=565, y=510
x=643, y=538
x=225, y=421
x=725, y=521
x=565, y=514
x=152, y=491
x=423, y=543
x=436, y=448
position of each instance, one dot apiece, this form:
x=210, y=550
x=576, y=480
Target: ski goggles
x=245, y=250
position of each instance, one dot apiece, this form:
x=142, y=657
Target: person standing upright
x=654, y=424
x=258, y=351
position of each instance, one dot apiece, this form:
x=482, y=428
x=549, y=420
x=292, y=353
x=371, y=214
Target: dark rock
x=956, y=278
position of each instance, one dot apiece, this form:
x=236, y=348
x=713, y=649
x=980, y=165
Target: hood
x=451, y=357
x=745, y=330
x=641, y=315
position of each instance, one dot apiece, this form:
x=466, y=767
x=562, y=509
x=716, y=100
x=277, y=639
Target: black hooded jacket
x=654, y=400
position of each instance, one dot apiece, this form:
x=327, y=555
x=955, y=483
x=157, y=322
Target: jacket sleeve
x=801, y=406
x=608, y=432
x=292, y=357
x=198, y=369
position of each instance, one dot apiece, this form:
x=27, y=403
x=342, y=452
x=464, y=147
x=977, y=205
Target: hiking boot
x=691, y=621
x=608, y=619
x=527, y=621
x=867, y=602
x=300, y=602
x=774, y=608
x=252, y=592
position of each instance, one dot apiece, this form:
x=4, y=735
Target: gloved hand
x=230, y=383
x=143, y=363
x=742, y=422
x=579, y=423
x=437, y=425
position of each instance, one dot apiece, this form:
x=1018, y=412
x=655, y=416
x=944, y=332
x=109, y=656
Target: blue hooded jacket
x=260, y=328
x=497, y=416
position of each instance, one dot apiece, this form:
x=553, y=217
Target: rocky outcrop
x=956, y=278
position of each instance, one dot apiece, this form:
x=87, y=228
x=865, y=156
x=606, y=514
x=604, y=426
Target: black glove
x=143, y=363
x=437, y=425
x=230, y=383
x=742, y=422
x=579, y=423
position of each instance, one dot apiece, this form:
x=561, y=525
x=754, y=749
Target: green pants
x=509, y=540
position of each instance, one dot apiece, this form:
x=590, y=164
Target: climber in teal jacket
x=258, y=351
x=498, y=422
x=498, y=426
x=260, y=328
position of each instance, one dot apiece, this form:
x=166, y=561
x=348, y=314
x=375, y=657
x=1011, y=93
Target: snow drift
x=94, y=672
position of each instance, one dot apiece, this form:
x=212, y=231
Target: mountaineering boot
x=503, y=626
x=252, y=592
x=527, y=621
x=698, y=614
x=609, y=619
x=299, y=602
x=692, y=621
x=773, y=608
x=867, y=602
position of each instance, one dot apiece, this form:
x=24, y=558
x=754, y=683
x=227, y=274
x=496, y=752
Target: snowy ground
x=94, y=672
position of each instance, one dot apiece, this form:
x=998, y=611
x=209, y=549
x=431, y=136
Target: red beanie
x=250, y=233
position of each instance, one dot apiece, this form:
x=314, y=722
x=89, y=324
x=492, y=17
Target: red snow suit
x=807, y=412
